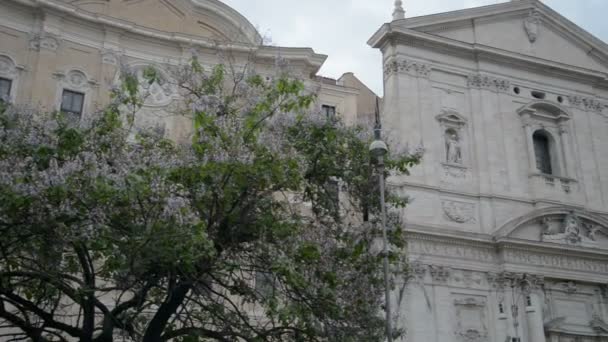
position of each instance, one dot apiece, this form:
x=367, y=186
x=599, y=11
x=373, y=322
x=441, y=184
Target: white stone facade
x=508, y=227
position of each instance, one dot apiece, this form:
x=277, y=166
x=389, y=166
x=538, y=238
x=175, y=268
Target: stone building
x=66, y=55
x=508, y=228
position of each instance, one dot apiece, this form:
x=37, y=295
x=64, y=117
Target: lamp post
x=378, y=150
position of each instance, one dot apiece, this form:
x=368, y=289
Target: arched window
x=542, y=150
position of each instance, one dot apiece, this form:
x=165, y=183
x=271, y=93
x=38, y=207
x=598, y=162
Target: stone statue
x=453, y=148
x=572, y=228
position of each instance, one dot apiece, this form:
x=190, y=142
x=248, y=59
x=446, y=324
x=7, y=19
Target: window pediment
x=544, y=110
x=451, y=118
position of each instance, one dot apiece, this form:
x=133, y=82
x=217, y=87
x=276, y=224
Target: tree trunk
x=158, y=324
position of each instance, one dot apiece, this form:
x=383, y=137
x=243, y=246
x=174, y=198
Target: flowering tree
x=255, y=231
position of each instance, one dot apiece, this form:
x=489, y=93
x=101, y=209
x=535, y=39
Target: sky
x=341, y=28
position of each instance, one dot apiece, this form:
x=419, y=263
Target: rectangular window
x=72, y=102
x=329, y=111
x=5, y=89
x=264, y=284
x=333, y=196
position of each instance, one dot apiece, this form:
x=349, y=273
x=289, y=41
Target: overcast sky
x=341, y=28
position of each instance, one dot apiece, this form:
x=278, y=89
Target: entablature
x=390, y=34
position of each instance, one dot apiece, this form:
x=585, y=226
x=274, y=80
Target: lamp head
x=378, y=148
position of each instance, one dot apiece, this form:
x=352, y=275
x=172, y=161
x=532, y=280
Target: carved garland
x=403, y=66
x=585, y=103
x=459, y=212
x=488, y=82
x=44, y=41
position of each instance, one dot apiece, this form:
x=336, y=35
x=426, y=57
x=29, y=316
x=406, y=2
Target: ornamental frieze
x=488, y=82
x=561, y=261
x=585, y=103
x=44, y=41
x=507, y=255
x=416, y=69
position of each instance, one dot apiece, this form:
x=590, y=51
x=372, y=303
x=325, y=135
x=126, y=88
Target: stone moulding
x=586, y=103
x=515, y=254
x=482, y=81
x=403, y=66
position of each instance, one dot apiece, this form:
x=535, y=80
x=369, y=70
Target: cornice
x=391, y=34
x=597, y=47
x=466, y=14
x=517, y=255
x=307, y=55
x=478, y=196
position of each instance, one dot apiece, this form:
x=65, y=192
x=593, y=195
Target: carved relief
x=455, y=172
x=569, y=287
x=599, y=325
x=556, y=261
x=465, y=251
x=471, y=319
x=418, y=270
x=586, y=103
x=158, y=93
x=571, y=230
x=440, y=274
x=488, y=82
x=460, y=212
x=44, y=41
x=110, y=57
x=76, y=79
x=532, y=26
x=468, y=279
x=417, y=69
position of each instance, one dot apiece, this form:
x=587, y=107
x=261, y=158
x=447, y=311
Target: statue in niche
x=453, y=147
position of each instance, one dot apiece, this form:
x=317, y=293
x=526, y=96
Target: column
x=534, y=317
x=566, y=155
x=530, y=143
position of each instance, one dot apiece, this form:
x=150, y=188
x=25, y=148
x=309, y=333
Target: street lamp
x=378, y=150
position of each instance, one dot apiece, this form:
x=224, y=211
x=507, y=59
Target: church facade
x=508, y=225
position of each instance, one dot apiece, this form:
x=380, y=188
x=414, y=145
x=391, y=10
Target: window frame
x=544, y=153
x=329, y=111
x=71, y=111
x=10, y=89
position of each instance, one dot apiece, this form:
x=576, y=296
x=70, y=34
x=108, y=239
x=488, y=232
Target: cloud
x=341, y=28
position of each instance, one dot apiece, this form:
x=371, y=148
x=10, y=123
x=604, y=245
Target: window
x=333, y=193
x=5, y=89
x=264, y=284
x=72, y=102
x=542, y=152
x=329, y=111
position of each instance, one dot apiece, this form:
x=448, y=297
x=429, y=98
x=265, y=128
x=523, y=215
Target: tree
x=108, y=233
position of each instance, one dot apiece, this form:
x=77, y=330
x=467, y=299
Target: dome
x=211, y=19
